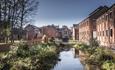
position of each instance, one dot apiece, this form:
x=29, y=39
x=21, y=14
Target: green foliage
x=99, y=56
x=23, y=51
x=88, y=48
x=81, y=46
x=108, y=65
x=94, y=43
x=1, y=66
x=96, y=57
x=26, y=57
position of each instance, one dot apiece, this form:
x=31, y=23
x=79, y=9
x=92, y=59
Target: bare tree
x=14, y=14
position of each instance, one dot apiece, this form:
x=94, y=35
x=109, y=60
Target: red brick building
x=51, y=31
x=87, y=28
x=106, y=27
x=85, y=31
x=33, y=33
x=75, y=32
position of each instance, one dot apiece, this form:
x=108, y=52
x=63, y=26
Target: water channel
x=68, y=61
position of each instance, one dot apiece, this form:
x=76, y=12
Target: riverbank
x=46, y=56
x=95, y=56
x=25, y=57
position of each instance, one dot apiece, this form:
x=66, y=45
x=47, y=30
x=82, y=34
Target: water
x=68, y=61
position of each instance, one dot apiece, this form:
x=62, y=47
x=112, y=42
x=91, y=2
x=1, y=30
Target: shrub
x=99, y=57
x=23, y=50
x=94, y=43
x=36, y=57
x=108, y=65
x=81, y=46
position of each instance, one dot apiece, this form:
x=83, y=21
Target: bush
x=94, y=43
x=23, y=51
x=81, y=46
x=36, y=57
x=99, y=57
x=108, y=65
x=96, y=57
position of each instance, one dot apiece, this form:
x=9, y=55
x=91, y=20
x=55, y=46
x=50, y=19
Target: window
x=103, y=33
x=107, y=33
x=106, y=17
x=65, y=32
x=110, y=15
x=111, y=32
x=99, y=34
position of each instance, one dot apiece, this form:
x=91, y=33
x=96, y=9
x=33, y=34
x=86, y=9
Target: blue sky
x=66, y=12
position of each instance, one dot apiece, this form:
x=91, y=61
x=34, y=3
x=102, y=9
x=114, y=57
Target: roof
x=32, y=26
x=112, y=6
x=75, y=25
x=96, y=13
x=98, y=10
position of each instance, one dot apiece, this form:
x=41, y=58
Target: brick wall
x=50, y=31
x=85, y=31
x=76, y=32
x=106, y=28
x=87, y=28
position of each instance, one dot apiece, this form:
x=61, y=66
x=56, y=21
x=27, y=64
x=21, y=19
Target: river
x=68, y=61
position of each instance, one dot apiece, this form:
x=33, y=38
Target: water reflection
x=68, y=61
x=87, y=66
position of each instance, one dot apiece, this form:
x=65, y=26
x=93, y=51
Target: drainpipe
x=113, y=15
x=109, y=30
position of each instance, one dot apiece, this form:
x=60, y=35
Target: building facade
x=106, y=28
x=33, y=33
x=51, y=31
x=87, y=28
x=75, y=32
x=85, y=31
x=65, y=33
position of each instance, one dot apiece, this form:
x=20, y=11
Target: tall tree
x=14, y=14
